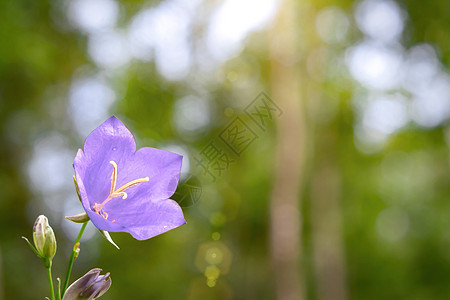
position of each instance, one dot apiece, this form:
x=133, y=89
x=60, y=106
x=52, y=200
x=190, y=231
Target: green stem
x=58, y=290
x=50, y=280
x=72, y=258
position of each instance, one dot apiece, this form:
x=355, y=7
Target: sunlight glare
x=433, y=106
x=93, y=15
x=375, y=66
x=381, y=20
x=89, y=101
x=385, y=114
x=191, y=115
x=108, y=49
x=232, y=21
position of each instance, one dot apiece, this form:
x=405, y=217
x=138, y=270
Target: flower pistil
x=113, y=193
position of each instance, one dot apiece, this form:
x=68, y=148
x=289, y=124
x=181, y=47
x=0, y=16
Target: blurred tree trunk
x=290, y=153
x=326, y=232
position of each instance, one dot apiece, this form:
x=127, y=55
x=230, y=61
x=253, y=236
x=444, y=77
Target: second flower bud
x=44, y=239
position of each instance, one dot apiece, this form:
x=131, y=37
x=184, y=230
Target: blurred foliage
x=408, y=180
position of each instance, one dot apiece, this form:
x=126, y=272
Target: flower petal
x=162, y=167
x=74, y=290
x=146, y=219
x=110, y=141
x=104, y=288
x=99, y=287
x=81, y=168
x=111, y=137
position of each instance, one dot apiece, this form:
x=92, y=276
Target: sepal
x=31, y=246
x=108, y=238
x=78, y=218
x=76, y=187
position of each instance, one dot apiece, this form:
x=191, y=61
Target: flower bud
x=44, y=238
x=91, y=286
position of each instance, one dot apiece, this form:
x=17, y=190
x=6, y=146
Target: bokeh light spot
x=375, y=66
x=392, y=224
x=332, y=24
x=381, y=20
x=93, y=15
x=89, y=101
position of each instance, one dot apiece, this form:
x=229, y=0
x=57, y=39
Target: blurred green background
x=315, y=139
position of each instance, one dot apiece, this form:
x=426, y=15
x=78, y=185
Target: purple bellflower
x=122, y=189
x=91, y=286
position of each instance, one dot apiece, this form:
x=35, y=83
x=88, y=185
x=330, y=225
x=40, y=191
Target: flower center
x=114, y=193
